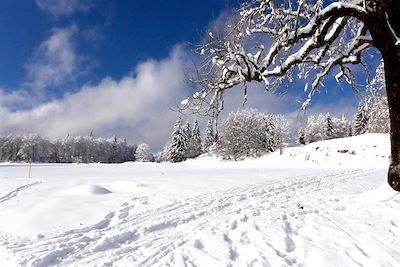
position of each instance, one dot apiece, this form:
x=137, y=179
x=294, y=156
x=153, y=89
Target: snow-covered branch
x=272, y=43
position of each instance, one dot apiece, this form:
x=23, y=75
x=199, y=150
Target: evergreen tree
x=194, y=144
x=187, y=130
x=350, y=131
x=301, y=137
x=361, y=119
x=329, y=131
x=188, y=133
x=178, y=147
x=209, y=139
x=270, y=138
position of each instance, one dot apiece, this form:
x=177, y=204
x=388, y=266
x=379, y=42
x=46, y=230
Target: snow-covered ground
x=324, y=204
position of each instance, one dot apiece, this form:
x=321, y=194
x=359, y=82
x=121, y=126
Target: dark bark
x=392, y=75
x=384, y=40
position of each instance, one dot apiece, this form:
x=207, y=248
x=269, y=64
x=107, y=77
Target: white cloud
x=137, y=106
x=16, y=97
x=63, y=8
x=55, y=61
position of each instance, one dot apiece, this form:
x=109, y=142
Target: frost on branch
x=276, y=41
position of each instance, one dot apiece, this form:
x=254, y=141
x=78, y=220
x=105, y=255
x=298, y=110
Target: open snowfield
x=324, y=204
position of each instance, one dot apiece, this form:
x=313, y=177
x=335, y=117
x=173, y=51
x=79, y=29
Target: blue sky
x=113, y=67
x=113, y=36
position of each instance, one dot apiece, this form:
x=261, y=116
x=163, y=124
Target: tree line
x=80, y=149
x=244, y=133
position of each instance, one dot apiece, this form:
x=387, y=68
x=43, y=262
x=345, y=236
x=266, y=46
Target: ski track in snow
x=16, y=191
x=280, y=224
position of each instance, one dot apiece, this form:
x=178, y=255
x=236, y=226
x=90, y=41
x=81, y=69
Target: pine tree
x=114, y=150
x=270, y=139
x=350, y=131
x=329, y=131
x=187, y=130
x=188, y=133
x=361, y=119
x=302, y=139
x=209, y=139
x=194, y=144
x=178, y=147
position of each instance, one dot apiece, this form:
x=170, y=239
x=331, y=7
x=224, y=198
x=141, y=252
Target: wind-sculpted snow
x=308, y=220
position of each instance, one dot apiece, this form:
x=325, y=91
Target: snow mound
x=89, y=189
x=123, y=186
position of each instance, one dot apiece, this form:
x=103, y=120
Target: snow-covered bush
x=242, y=134
x=143, y=153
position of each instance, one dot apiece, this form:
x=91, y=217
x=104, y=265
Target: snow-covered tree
x=178, y=148
x=209, y=139
x=187, y=131
x=81, y=149
x=329, y=131
x=36, y=149
x=316, y=128
x=310, y=39
x=378, y=107
x=162, y=155
x=325, y=127
x=361, y=119
x=9, y=147
x=242, y=134
x=281, y=129
x=65, y=150
x=341, y=127
x=143, y=153
x=301, y=138
x=270, y=134
x=194, y=141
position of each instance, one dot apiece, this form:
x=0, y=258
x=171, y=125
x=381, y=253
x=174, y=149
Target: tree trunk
x=392, y=76
x=382, y=25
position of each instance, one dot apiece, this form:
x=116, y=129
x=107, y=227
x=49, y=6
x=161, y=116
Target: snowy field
x=324, y=204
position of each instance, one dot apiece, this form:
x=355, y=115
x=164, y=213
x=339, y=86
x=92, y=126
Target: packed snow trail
x=15, y=192
x=302, y=221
